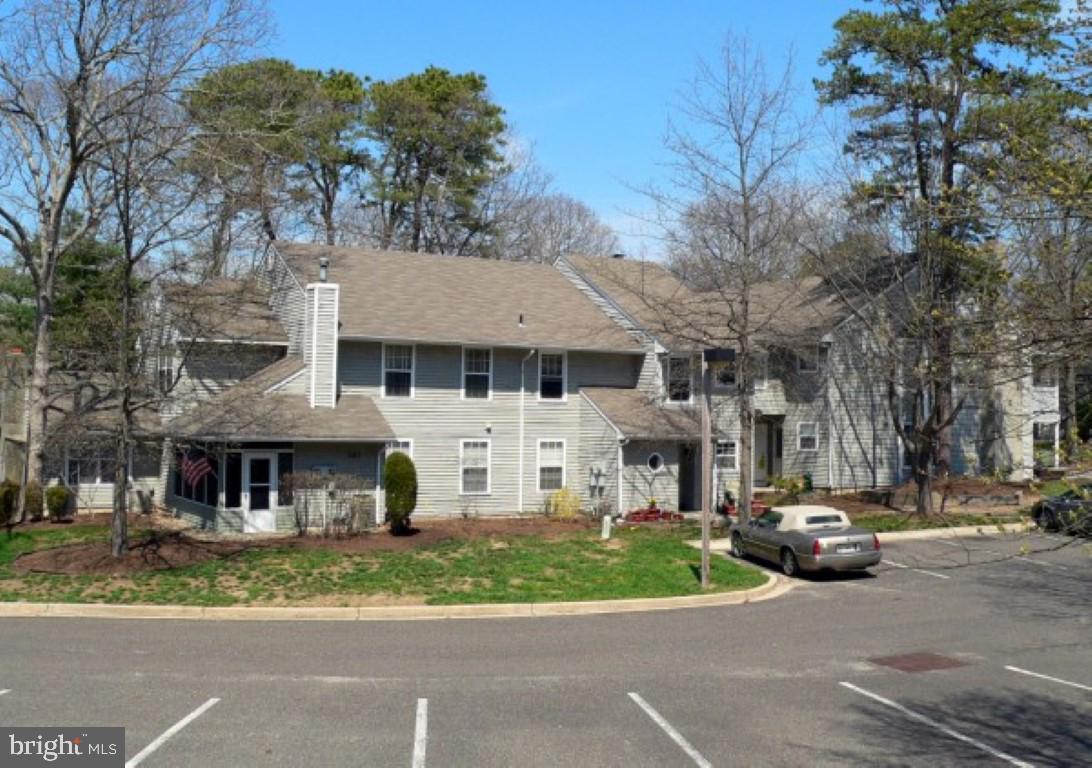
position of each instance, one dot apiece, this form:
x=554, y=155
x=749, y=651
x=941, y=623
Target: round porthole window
x=655, y=462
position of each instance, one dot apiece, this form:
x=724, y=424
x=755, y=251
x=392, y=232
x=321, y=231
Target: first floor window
x=397, y=370
x=90, y=466
x=474, y=467
x=477, y=373
x=727, y=455
x=551, y=376
x=807, y=436
x=678, y=379
x=233, y=480
x=551, y=465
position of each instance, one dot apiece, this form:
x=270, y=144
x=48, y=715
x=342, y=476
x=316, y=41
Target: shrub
x=791, y=486
x=9, y=501
x=57, y=498
x=33, y=501
x=400, y=482
x=563, y=504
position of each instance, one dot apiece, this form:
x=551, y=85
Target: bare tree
x=68, y=72
x=728, y=218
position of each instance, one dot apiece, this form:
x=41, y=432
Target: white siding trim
x=462, y=380
x=564, y=376
x=286, y=381
x=538, y=463
x=488, y=465
x=383, y=369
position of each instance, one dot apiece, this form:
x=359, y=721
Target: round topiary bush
x=57, y=498
x=400, y=482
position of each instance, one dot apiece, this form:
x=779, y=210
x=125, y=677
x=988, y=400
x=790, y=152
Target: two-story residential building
x=504, y=382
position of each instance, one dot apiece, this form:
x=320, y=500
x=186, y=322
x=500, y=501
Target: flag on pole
x=195, y=465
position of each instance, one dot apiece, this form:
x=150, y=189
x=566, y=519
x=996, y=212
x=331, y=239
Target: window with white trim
x=399, y=446
x=165, y=372
x=90, y=467
x=727, y=454
x=679, y=379
x=397, y=370
x=1043, y=374
x=551, y=465
x=477, y=373
x=807, y=361
x=725, y=376
x=474, y=467
x=807, y=436
x=551, y=376
x=760, y=365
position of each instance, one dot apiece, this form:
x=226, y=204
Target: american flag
x=195, y=465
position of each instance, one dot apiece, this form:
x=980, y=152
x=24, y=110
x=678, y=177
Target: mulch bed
x=162, y=550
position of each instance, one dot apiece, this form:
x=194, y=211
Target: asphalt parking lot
x=977, y=651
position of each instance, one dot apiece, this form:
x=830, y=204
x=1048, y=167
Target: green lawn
x=903, y=522
x=643, y=562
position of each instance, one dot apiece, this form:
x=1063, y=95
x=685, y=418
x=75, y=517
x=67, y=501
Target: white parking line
x=917, y=570
x=162, y=739
x=1018, y=558
x=4, y=690
x=1081, y=686
x=676, y=737
x=938, y=726
x=420, y=734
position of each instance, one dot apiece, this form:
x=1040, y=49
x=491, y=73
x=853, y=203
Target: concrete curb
x=774, y=587
x=949, y=533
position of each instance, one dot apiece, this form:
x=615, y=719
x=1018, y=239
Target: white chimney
x=320, y=339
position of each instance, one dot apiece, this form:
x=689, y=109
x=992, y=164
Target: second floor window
x=678, y=379
x=165, y=371
x=397, y=370
x=477, y=373
x=1043, y=374
x=551, y=376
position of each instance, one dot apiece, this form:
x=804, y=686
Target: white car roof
x=793, y=516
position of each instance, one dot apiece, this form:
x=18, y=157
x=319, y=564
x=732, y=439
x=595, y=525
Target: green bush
x=57, y=498
x=34, y=501
x=9, y=502
x=400, y=482
x=791, y=486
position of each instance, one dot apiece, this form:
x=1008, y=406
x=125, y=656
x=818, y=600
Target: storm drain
x=918, y=662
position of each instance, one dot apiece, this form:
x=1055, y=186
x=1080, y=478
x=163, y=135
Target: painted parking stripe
x=917, y=570
x=1059, y=680
x=420, y=734
x=1018, y=558
x=667, y=728
x=4, y=690
x=163, y=737
x=937, y=726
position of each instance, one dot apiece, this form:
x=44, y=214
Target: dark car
x=1068, y=512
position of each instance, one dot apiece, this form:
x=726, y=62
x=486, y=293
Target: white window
x=727, y=454
x=90, y=466
x=165, y=372
x=679, y=385
x=655, y=462
x=761, y=365
x=551, y=465
x=474, y=467
x=477, y=373
x=726, y=376
x=551, y=376
x=397, y=370
x=399, y=446
x=1043, y=374
x=807, y=436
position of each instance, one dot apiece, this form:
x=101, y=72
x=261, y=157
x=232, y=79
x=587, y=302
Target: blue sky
x=590, y=85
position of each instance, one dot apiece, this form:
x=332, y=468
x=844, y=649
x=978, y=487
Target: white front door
x=762, y=471
x=259, y=492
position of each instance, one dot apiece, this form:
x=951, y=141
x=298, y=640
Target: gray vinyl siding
x=209, y=369
x=437, y=419
x=287, y=300
x=598, y=449
x=641, y=484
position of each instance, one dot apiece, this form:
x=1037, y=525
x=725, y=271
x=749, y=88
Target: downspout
x=522, y=393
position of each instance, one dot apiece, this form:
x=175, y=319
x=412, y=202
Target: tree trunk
x=942, y=406
x=37, y=406
x=924, y=479
x=119, y=524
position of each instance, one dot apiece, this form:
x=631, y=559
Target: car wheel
x=737, y=546
x=789, y=566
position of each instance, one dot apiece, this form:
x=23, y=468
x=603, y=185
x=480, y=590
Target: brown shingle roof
x=447, y=299
x=225, y=310
x=249, y=412
x=638, y=416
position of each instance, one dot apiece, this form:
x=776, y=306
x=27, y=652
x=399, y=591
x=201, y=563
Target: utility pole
x=706, y=465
